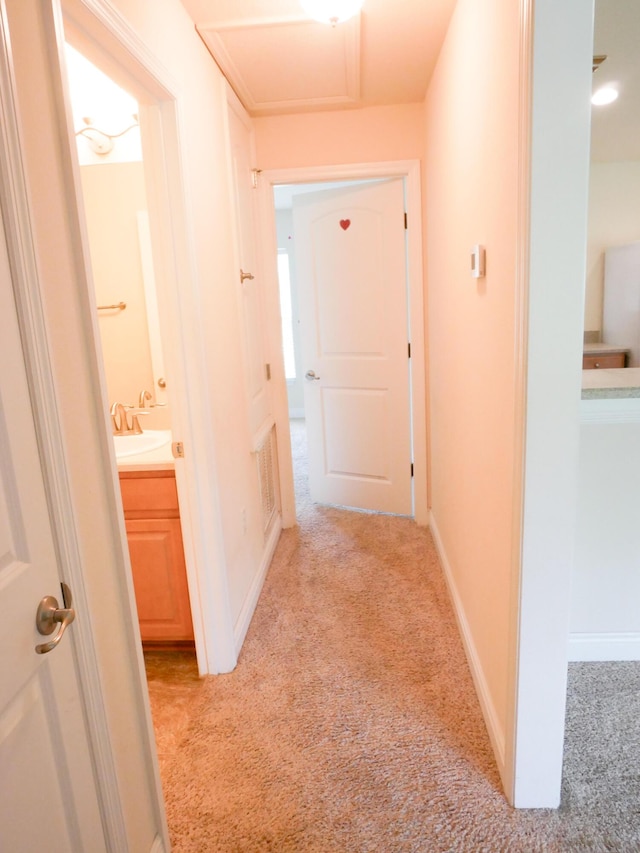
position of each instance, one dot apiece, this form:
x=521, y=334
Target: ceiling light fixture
x=331, y=11
x=604, y=95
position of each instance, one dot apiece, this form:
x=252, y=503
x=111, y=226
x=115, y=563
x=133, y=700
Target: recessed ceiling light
x=605, y=95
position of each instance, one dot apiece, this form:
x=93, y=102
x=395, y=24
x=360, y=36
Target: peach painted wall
x=113, y=194
x=471, y=197
x=369, y=135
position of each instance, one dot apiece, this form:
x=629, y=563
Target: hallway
x=351, y=723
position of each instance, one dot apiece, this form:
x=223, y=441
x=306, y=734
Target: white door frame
x=556, y=52
x=410, y=171
x=54, y=448
x=104, y=36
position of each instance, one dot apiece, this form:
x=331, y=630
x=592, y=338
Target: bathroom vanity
x=154, y=535
x=604, y=357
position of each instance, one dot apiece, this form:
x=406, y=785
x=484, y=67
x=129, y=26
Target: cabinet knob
x=597, y=364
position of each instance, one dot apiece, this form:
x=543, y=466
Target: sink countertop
x=609, y=384
x=601, y=349
x=160, y=459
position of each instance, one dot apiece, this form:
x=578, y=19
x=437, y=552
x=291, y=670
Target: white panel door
x=352, y=285
x=48, y=798
x=251, y=283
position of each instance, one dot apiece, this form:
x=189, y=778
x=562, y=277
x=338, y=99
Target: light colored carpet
x=351, y=723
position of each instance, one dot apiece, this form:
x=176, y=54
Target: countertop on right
x=602, y=349
x=610, y=384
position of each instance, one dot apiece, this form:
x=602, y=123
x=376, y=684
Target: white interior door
x=352, y=285
x=48, y=798
x=253, y=312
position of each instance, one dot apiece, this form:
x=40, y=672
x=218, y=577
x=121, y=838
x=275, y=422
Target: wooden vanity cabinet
x=152, y=519
x=604, y=362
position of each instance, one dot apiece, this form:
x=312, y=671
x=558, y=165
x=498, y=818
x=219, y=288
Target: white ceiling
x=280, y=61
x=615, y=129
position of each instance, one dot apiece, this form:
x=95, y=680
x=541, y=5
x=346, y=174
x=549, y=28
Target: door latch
x=49, y=615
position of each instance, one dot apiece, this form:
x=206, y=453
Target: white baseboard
x=604, y=647
x=157, y=846
x=249, y=606
x=496, y=732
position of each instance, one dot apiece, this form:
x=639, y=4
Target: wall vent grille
x=266, y=474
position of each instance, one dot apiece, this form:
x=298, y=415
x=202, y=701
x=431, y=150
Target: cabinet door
x=160, y=579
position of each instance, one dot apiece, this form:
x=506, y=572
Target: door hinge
x=254, y=178
x=406, y=221
x=412, y=469
x=409, y=350
x=177, y=449
x=268, y=371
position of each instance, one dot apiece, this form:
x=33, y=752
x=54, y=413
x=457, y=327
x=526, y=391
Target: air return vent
x=266, y=458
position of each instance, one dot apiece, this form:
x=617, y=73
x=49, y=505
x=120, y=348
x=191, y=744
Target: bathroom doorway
x=159, y=135
x=116, y=217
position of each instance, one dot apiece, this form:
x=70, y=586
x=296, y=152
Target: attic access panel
x=286, y=65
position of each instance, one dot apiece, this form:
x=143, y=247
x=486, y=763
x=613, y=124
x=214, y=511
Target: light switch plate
x=478, y=262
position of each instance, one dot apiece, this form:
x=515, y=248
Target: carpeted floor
x=351, y=723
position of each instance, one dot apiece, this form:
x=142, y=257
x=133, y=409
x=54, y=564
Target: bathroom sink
x=133, y=445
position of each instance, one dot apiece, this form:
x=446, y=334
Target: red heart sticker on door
x=345, y=223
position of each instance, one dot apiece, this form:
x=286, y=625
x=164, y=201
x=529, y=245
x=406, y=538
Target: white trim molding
x=29, y=301
x=99, y=25
x=251, y=601
x=108, y=40
x=410, y=171
x=491, y=718
x=604, y=647
x=520, y=382
x=158, y=845
x=562, y=42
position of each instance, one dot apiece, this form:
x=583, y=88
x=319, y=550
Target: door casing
x=93, y=27
x=37, y=318
x=410, y=171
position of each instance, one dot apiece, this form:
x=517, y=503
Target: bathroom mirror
x=115, y=205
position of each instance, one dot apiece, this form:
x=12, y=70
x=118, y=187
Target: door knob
x=310, y=375
x=49, y=615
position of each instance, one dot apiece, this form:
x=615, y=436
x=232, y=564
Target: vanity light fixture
x=331, y=11
x=100, y=141
x=604, y=95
